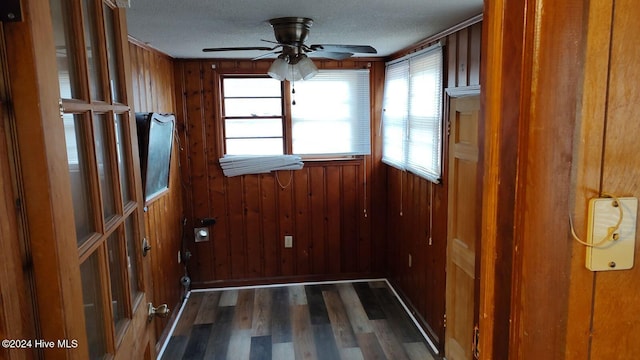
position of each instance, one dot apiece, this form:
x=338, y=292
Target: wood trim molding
x=148, y=47
x=500, y=76
x=423, y=44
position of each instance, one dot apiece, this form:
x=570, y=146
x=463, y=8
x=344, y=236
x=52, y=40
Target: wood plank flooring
x=348, y=321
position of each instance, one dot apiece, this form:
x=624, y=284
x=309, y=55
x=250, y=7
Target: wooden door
x=102, y=157
x=77, y=182
x=462, y=228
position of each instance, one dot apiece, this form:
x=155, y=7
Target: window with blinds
x=412, y=114
x=331, y=114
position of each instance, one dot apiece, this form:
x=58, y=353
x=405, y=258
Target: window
x=330, y=117
x=412, y=114
x=253, y=116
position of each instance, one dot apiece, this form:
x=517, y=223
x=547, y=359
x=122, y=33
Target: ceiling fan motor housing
x=291, y=30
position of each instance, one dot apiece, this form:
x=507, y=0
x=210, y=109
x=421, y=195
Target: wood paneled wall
x=603, y=307
x=153, y=89
x=331, y=208
x=417, y=208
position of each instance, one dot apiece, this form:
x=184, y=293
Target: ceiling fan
x=293, y=62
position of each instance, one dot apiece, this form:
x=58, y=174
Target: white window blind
x=412, y=114
x=331, y=115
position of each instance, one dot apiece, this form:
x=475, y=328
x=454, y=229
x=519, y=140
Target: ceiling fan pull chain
x=293, y=92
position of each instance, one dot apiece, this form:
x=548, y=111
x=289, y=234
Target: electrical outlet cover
x=616, y=254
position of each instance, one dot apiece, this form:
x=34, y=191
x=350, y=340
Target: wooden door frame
x=50, y=228
x=530, y=74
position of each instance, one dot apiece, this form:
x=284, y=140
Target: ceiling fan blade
x=366, y=49
x=267, y=55
x=330, y=55
x=261, y=48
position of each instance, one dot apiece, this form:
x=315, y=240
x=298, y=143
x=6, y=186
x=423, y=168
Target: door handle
x=160, y=311
x=145, y=247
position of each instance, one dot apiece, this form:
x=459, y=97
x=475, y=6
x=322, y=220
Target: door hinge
x=444, y=321
x=61, y=108
x=476, y=342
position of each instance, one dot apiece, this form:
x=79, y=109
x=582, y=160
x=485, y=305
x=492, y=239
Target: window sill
x=343, y=161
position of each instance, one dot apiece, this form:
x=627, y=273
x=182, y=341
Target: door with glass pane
x=100, y=136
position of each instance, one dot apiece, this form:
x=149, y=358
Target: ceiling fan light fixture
x=279, y=69
x=293, y=73
x=306, y=67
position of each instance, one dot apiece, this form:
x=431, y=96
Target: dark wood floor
x=355, y=320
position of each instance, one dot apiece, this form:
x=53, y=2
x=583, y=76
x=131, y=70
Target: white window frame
x=350, y=112
x=412, y=113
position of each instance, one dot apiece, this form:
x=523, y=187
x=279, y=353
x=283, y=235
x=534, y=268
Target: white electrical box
x=288, y=241
x=615, y=253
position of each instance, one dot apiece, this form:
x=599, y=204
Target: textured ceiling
x=182, y=28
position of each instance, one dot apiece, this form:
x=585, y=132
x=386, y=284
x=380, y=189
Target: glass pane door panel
x=132, y=258
x=92, y=45
x=121, y=147
x=93, y=308
x=116, y=251
x=105, y=172
x=112, y=55
x=74, y=129
x=67, y=66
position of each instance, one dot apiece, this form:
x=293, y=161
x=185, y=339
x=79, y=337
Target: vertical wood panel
x=153, y=90
x=236, y=232
x=253, y=226
x=269, y=225
x=287, y=227
x=302, y=221
x=334, y=214
x=452, y=60
x=475, y=45
x=349, y=197
x=463, y=60
x=615, y=334
x=318, y=220
x=365, y=256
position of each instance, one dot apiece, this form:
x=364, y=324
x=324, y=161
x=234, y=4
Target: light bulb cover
x=293, y=73
x=279, y=69
x=306, y=67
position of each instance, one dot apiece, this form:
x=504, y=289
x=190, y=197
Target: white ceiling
x=183, y=28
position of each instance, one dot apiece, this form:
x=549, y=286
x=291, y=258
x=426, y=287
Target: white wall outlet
x=288, y=241
x=616, y=252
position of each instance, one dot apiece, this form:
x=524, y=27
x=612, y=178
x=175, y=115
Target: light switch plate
x=616, y=254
